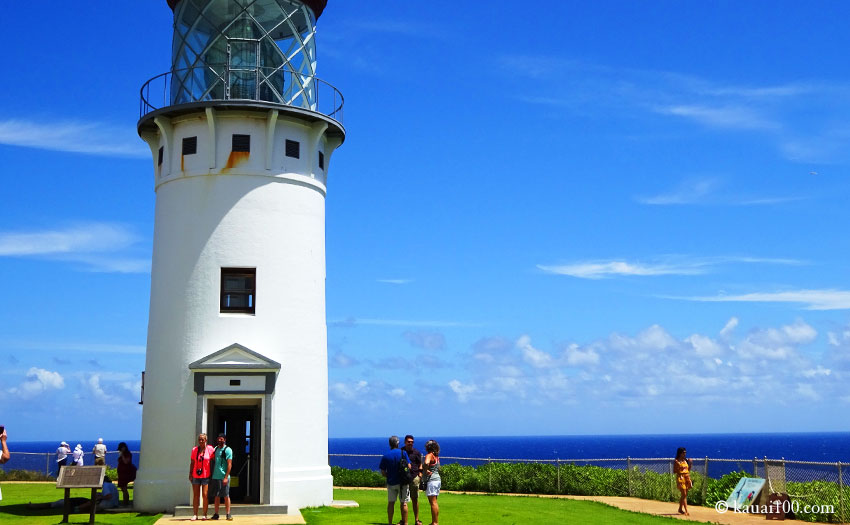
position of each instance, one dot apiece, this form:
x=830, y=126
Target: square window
x=241, y=143
x=161, y=152
x=238, y=290
x=190, y=145
x=293, y=149
x=321, y=160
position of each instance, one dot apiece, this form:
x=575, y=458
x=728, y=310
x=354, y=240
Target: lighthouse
x=241, y=132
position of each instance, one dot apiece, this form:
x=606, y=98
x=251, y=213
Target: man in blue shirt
x=220, y=482
x=389, y=469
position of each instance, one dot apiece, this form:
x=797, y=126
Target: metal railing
x=45, y=462
x=211, y=82
x=822, y=486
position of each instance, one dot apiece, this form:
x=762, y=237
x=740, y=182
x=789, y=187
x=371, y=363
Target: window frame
x=250, y=292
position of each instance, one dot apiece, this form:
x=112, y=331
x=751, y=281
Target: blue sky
x=607, y=217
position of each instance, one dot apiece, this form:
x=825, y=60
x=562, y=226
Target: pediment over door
x=236, y=357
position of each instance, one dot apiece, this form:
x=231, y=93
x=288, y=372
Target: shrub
x=24, y=475
x=357, y=478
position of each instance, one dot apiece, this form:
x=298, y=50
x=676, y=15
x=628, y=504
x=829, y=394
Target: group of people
x=209, y=470
x=408, y=472
x=65, y=456
x=126, y=469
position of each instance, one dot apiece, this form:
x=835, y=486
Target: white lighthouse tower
x=241, y=131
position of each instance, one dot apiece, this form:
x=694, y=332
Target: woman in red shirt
x=199, y=473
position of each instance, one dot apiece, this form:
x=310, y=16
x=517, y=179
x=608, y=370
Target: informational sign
x=80, y=477
x=745, y=493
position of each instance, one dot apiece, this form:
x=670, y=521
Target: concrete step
x=182, y=511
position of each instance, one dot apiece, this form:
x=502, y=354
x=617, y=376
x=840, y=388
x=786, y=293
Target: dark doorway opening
x=241, y=425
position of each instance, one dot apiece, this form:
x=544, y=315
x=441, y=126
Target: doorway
x=241, y=425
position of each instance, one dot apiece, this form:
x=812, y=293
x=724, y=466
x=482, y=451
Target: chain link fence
x=819, y=491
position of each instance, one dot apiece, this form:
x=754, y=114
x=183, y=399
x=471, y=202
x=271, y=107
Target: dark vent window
x=238, y=290
x=235, y=382
x=161, y=150
x=190, y=145
x=241, y=142
x=293, y=149
x=321, y=160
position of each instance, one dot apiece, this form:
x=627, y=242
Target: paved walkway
x=669, y=509
x=265, y=519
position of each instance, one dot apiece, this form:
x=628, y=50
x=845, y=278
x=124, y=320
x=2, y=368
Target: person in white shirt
x=99, y=451
x=62, y=456
x=77, y=457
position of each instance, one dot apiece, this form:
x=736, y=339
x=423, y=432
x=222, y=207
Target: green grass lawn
x=484, y=509
x=14, y=511
x=454, y=509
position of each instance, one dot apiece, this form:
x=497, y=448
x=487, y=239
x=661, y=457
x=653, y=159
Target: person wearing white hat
x=99, y=451
x=77, y=458
x=62, y=456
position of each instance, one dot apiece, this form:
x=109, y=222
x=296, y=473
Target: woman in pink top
x=199, y=473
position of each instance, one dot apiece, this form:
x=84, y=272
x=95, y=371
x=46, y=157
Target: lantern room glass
x=261, y=50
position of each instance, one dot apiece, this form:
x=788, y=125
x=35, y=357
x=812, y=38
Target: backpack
x=405, y=475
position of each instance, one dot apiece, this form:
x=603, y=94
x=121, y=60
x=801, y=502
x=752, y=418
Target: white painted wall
x=242, y=216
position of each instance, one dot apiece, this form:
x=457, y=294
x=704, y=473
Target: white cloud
x=814, y=372
x=38, y=380
x=603, y=269
x=349, y=391
x=75, y=137
x=75, y=347
x=807, y=391
x=395, y=281
x=730, y=117
x=578, y=357
x=689, y=192
x=729, y=327
x=537, y=358
x=426, y=340
x=810, y=299
x=352, y=321
x=94, y=245
x=704, y=346
x=87, y=238
x=666, y=265
x=463, y=391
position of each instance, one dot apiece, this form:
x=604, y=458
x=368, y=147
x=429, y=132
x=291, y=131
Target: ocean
x=814, y=446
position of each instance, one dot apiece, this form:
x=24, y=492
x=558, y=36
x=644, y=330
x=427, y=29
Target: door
x=241, y=425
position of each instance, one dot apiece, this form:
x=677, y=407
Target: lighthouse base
x=304, y=487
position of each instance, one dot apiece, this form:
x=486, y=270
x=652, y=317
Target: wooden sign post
x=80, y=478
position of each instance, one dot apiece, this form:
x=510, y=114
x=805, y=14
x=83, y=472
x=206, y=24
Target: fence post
x=755, y=467
x=558, y=466
x=672, y=483
x=705, y=481
x=629, y=468
x=489, y=475
x=47, y=464
x=840, y=493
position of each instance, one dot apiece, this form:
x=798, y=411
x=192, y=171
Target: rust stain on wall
x=235, y=158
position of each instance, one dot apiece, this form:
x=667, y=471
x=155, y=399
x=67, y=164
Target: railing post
x=705, y=481
x=840, y=494
x=489, y=475
x=629, y=469
x=558, y=466
x=672, y=482
x=47, y=464
x=755, y=467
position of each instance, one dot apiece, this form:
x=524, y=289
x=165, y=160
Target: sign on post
x=80, y=478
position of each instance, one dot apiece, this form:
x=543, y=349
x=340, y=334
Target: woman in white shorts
x=431, y=466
